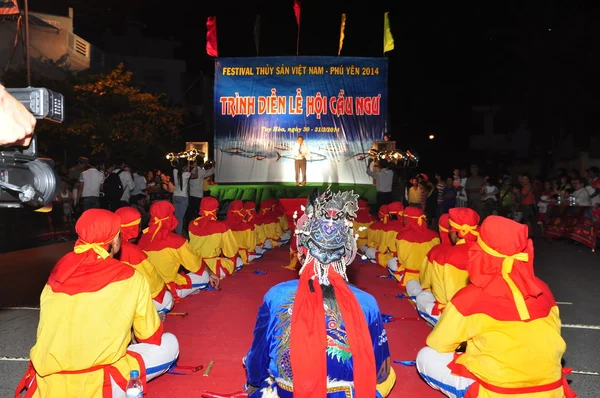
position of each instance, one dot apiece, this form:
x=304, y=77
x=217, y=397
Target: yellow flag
x=388, y=39
x=342, y=28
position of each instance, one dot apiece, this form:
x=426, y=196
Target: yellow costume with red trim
x=244, y=233
x=508, y=319
x=88, y=308
x=275, y=208
x=213, y=240
x=387, y=243
x=450, y=271
x=168, y=251
x=132, y=255
x=412, y=246
x=253, y=219
x=428, y=266
x=362, y=222
x=270, y=223
x=375, y=230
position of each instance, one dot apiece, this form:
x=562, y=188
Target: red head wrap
x=443, y=225
x=501, y=262
x=363, y=215
x=464, y=221
x=236, y=215
x=163, y=220
x=384, y=213
x=130, y=222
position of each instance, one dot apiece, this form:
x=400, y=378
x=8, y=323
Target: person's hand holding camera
x=16, y=122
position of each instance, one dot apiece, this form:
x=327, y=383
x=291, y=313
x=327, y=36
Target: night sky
x=539, y=57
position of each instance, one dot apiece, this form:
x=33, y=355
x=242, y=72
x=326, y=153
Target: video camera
x=25, y=178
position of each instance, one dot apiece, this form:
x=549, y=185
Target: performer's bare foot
x=162, y=316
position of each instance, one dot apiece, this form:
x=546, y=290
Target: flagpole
x=27, y=57
x=298, y=40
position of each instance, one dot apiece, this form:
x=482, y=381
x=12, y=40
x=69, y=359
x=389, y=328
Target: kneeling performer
x=88, y=308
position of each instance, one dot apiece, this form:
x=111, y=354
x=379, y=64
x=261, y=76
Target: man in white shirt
x=581, y=195
x=140, y=186
x=199, y=175
x=300, y=153
x=90, y=183
x=383, y=182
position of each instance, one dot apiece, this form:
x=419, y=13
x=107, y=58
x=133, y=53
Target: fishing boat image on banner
x=313, y=157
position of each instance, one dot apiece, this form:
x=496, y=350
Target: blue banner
x=262, y=105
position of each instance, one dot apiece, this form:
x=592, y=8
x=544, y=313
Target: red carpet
x=219, y=327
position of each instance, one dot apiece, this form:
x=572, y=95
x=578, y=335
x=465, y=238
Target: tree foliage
x=106, y=113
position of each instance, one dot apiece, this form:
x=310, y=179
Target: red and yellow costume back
x=427, y=268
x=507, y=316
x=270, y=222
x=258, y=224
x=243, y=232
x=387, y=242
x=276, y=210
x=132, y=255
x=450, y=270
x=87, y=310
x=213, y=240
x=412, y=245
x=376, y=229
x=362, y=222
x=166, y=250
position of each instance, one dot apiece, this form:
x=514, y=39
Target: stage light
x=431, y=136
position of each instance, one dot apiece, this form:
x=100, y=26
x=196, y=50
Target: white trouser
x=286, y=236
x=371, y=254
x=433, y=367
x=239, y=263
x=425, y=303
x=254, y=257
x=268, y=245
x=392, y=266
x=259, y=250
x=157, y=359
x=199, y=282
x=413, y=288
x=167, y=303
x=364, y=248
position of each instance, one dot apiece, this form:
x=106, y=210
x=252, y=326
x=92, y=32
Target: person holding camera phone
x=16, y=122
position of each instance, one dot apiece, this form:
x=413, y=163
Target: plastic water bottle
x=135, y=389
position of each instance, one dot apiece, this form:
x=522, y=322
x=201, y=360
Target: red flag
x=211, y=37
x=9, y=7
x=297, y=11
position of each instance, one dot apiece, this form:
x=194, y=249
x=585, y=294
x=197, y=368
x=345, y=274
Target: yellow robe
x=246, y=241
x=168, y=259
x=410, y=258
x=219, y=251
x=86, y=330
x=504, y=353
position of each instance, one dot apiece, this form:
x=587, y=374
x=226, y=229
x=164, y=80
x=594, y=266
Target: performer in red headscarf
x=88, y=309
x=168, y=251
x=271, y=224
x=276, y=211
x=508, y=319
x=449, y=273
x=362, y=222
x=414, y=287
x=387, y=243
x=320, y=337
x=134, y=256
x=261, y=236
x=244, y=233
x=412, y=246
x=375, y=232
x=213, y=241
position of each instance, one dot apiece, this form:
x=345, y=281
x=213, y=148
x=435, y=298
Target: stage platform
x=260, y=192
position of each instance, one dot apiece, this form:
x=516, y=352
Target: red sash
x=473, y=391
